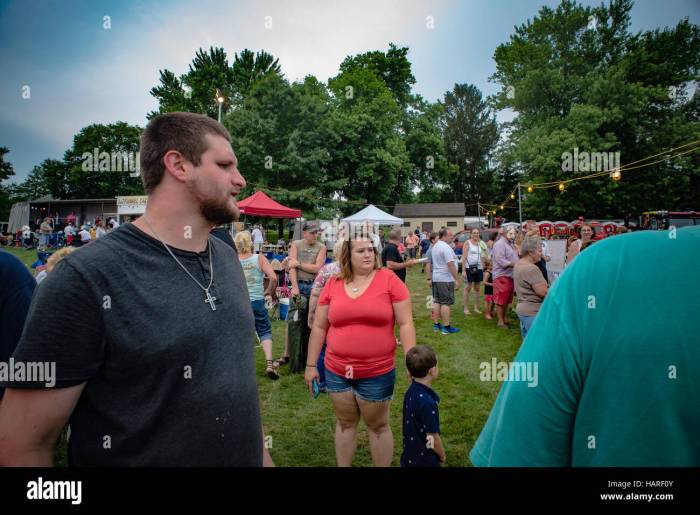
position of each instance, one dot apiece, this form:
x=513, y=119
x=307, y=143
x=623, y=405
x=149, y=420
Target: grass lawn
x=302, y=428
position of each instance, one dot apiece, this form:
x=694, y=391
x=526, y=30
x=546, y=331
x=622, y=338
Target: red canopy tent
x=259, y=204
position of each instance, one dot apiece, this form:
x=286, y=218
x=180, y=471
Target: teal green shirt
x=617, y=347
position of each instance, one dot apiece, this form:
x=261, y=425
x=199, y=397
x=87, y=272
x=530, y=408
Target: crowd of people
x=48, y=236
x=155, y=364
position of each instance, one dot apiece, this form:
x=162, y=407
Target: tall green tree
x=87, y=177
x=369, y=157
x=392, y=66
x=33, y=187
x=470, y=134
x=426, y=150
x=281, y=135
x=209, y=72
x=6, y=171
x=577, y=78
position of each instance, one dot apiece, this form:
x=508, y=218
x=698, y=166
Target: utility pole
x=220, y=100
x=478, y=213
x=520, y=206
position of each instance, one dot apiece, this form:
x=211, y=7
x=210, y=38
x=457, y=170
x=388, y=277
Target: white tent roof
x=373, y=214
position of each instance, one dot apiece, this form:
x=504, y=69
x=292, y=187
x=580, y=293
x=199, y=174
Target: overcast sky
x=80, y=73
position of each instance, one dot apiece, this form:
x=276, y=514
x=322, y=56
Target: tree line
x=575, y=77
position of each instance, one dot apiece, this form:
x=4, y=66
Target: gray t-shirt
x=169, y=381
x=441, y=255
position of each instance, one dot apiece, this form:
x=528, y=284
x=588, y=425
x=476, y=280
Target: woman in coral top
x=356, y=315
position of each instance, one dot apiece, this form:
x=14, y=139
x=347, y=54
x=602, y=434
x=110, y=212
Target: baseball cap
x=310, y=226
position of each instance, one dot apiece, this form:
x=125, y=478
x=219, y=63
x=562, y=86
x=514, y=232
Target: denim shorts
x=262, y=320
x=475, y=278
x=370, y=389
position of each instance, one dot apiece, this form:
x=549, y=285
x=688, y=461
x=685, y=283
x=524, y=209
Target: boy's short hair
x=420, y=359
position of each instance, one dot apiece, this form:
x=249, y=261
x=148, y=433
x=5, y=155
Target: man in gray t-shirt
x=149, y=328
x=444, y=281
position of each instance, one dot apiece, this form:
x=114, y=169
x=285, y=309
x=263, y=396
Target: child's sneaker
x=437, y=327
x=449, y=330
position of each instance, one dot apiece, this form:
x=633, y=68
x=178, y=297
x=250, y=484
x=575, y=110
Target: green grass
x=302, y=428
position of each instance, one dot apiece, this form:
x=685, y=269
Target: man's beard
x=218, y=213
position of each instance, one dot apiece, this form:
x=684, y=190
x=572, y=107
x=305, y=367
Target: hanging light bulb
x=616, y=175
x=529, y=189
x=562, y=187
x=501, y=207
x=512, y=196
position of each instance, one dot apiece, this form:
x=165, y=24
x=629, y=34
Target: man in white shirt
x=444, y=281
x=84, y=235
x=69, y=232
x=258, y=239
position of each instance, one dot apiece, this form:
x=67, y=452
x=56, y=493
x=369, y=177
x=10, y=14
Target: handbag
x=474, y=269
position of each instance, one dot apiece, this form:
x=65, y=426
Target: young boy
x=422, y=446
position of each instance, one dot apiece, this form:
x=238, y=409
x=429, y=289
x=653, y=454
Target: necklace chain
x=211, y=268
x=353, y=288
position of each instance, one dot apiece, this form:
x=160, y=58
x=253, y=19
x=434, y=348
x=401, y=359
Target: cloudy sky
x=80, y=72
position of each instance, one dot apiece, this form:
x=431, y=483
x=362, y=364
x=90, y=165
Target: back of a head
x=419, y=360
x=243, y=242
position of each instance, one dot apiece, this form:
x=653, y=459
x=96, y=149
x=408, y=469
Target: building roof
x=49, y=200
x=449, y=209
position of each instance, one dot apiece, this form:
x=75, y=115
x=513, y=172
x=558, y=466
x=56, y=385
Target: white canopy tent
x=373, y=214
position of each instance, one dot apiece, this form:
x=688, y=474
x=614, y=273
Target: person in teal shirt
x=617, y=347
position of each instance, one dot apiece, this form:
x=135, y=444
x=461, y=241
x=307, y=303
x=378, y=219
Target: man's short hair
x=443, y=232
x=182, y=132
x=420, y=359
x=433, y=235
x=395, y=234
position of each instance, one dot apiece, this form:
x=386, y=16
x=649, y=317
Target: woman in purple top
x=504, y=259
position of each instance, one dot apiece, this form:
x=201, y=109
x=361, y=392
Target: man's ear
x=174, y=163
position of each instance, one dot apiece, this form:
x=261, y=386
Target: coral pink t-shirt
x=361, y=332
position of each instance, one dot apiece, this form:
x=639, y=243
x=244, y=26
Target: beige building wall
x=455, y=223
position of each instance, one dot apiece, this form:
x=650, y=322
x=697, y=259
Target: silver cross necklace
x=209, y=299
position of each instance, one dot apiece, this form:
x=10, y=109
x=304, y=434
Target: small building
x=430, y=217
x=79, y=211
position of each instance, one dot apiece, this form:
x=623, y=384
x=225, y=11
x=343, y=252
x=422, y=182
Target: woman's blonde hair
x=244, y=242
x=337, y=249
x=346, y=272
x=57, y=256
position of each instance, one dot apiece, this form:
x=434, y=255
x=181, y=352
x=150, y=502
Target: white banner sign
x=557, y=251
x=135, y=205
